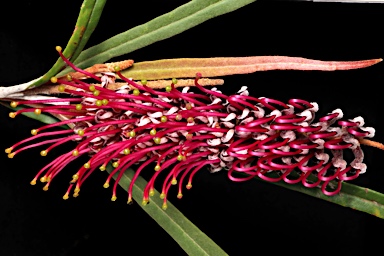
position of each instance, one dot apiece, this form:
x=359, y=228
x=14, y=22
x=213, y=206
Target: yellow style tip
x=129, y=200
x=75, y=176
x=80, y=132
x=8, y=150
x=14, y=104
x=53, y=79
x=87, y=165
x=75, y=152
x=79, y=107
x=61, y=88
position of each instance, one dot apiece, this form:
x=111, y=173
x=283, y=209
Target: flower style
x=180, y=132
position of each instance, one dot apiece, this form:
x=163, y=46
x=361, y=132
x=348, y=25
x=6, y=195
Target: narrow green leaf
x=87, y=20
x=223, y=66
x=92, y=23
x=180, y=19
x=192, y=240
x=352, y=196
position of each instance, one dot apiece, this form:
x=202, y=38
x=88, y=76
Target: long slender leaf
x=88, y=18
x=352, y=196
x=92, y=23
x=185, y=233
x=165, y=26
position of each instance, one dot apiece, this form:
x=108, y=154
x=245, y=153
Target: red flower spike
x=182, y=131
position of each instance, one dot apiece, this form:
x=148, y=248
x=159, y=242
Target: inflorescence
x=180, y=132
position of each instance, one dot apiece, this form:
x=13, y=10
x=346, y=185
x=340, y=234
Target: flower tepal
x=181, y=132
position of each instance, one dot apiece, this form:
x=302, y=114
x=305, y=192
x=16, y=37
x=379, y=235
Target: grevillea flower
x=180, y=132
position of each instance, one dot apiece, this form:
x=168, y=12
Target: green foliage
x=352, y=196
x=89, y=16
x=165, y=26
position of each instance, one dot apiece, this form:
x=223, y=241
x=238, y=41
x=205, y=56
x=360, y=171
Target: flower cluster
x=180, y=132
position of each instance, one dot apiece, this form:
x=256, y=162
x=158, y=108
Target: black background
x=243, y=218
